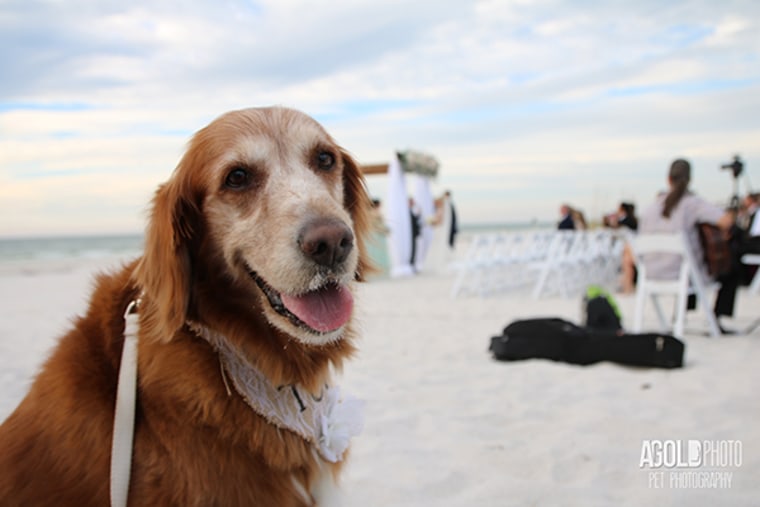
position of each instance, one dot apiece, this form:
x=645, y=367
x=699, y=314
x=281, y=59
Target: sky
x=525, y=104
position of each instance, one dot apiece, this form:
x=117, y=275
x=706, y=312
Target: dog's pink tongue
x=324, y=309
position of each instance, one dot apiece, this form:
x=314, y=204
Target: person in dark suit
x=566, y=223
x=414, y=217
x=454, y=229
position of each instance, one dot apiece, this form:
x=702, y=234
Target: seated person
x=626, y=216
x=679, y=210
x=566, y=221
x=749, y=241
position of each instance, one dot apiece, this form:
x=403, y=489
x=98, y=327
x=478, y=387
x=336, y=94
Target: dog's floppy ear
x=164, y=271
x=359, y=205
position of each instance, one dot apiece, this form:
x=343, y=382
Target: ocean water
x=69, y=247
x=15, y=250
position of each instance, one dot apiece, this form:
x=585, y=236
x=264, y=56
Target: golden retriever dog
x=244, y=298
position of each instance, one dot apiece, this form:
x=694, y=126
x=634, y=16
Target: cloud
x=523, y=102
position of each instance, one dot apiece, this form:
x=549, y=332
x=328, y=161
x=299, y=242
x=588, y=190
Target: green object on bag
x=595, y=291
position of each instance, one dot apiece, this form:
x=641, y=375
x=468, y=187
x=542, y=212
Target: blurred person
x=749, y=235
x=566, y=218
x=747, y=219
x=626, y=216
x=453, y=228
x=680, y=210
x=414, y=217
x=579, y=220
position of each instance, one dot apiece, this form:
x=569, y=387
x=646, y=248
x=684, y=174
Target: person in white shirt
x=680, y=210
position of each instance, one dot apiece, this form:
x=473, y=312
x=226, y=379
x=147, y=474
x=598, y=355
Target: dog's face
x=282, y=206
x=277, y=212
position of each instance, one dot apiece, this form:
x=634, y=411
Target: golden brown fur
x=194, y=443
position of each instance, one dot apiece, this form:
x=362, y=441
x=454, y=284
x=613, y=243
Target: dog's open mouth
x=319, y=311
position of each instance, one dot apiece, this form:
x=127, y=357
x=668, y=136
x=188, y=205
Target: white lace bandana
x=328, y=421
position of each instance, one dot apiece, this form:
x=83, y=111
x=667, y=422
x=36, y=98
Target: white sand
x=448, y=426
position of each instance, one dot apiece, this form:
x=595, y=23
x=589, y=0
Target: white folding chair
x=690, y=280
x=555, y=267
x=471, y=268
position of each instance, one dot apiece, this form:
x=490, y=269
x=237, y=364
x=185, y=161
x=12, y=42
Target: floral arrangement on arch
x=419, y=163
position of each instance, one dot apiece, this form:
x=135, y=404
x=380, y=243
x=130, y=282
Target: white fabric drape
x=397, y=218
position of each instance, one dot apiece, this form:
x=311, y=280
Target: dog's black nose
x=326, y=241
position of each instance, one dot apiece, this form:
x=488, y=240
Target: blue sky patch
x=6, y=107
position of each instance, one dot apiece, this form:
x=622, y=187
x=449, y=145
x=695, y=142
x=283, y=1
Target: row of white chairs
x=564, y=263
x=546, y=262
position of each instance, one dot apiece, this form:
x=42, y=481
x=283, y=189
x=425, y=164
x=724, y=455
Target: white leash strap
x=124, y=417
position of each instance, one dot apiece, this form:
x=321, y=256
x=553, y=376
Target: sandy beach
x=446, y=425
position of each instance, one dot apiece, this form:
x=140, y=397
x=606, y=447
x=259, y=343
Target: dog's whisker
x=224, y=378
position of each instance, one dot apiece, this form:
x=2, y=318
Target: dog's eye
x=325, y=160
x=237, y=178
